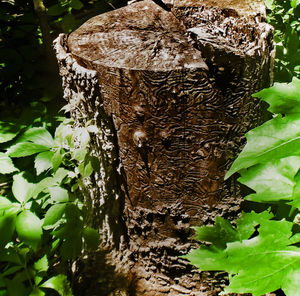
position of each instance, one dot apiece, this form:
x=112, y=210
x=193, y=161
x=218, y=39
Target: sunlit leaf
x=43, y=161
x=282, y=97
x=60, y=284
x=6, y=164
x=272, y=181
x=37, y=135
x=25, y=149
x=42, y=264
x=22, y=189
x=29, y=228
x=275, y=139
x=59, y=194
x=8, y=131
x=37, y=292
x=53, y=215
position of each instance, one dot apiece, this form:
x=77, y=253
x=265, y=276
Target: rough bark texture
x=170, y=93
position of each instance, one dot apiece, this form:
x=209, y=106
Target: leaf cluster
x=43, y=218
x=261, y=252
x=284, y=16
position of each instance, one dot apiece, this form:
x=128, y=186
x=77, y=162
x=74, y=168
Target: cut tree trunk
x=169, y=89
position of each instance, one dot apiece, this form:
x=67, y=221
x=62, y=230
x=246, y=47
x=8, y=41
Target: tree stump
x=169, y=89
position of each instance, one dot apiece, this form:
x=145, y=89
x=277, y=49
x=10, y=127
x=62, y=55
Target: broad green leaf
x=91, y=237
x=275, y=139
x=42, y=264
x=45, y=183
x=85, y=169
x=37, y=135
x=258, y=265
x=272, y=181
x=245, y=225
x=294, y=3
x=37, y=292
x=5, y=203
x=7, y=229
x=29, y=228
x=60, y=284
x=76, y=4
x=59, y=194
x=43, y=161
x=79, y=154
x=22, y=189
x=219, y=234
x=53, y=215
x=8, y=130
x=25, y=149
x=6, y=164
x=56, y=159
x=283, y=98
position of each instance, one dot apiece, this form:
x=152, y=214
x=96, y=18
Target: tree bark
x=170, y=93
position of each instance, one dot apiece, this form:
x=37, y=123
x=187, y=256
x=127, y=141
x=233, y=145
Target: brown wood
x=170, y=93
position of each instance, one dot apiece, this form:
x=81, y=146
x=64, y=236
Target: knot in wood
x=139, y=138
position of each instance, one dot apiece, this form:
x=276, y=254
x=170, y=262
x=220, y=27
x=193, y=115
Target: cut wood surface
x=170, y=93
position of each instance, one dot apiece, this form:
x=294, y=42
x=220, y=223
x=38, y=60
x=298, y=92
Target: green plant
x=44, y=220
x=261, y=252
x=284, y=16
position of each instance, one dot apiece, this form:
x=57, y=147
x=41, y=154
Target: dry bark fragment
x=171, y=95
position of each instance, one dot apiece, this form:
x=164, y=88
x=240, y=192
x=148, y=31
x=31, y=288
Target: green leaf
x=25, y=149
x=261, y=179
x=71, y=247
x=294, y=3
x=42, y=264
x=15, y=288
x=7, y=229
x=245, y=226
x=53, y=215
x=37, y=292
x=43, y=161
x=76, y=4
x=37, y=135
x=85, y=169
x=56, y=159
x=29, y=228
x=258, y=265
x=5, y=203
x=219, y=234
x=8, y=130
x=59, y=194
x=275, y=139
x=56, y=10
x=6, y=164
x=22, y=189
x=283, y=98
x=79, y=154
x=91, y=237
x=60, y=284
x=269, y=4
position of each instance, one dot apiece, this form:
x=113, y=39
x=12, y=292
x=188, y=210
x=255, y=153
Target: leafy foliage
x=43, y=219
x=261, y=253
x=284, y=16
